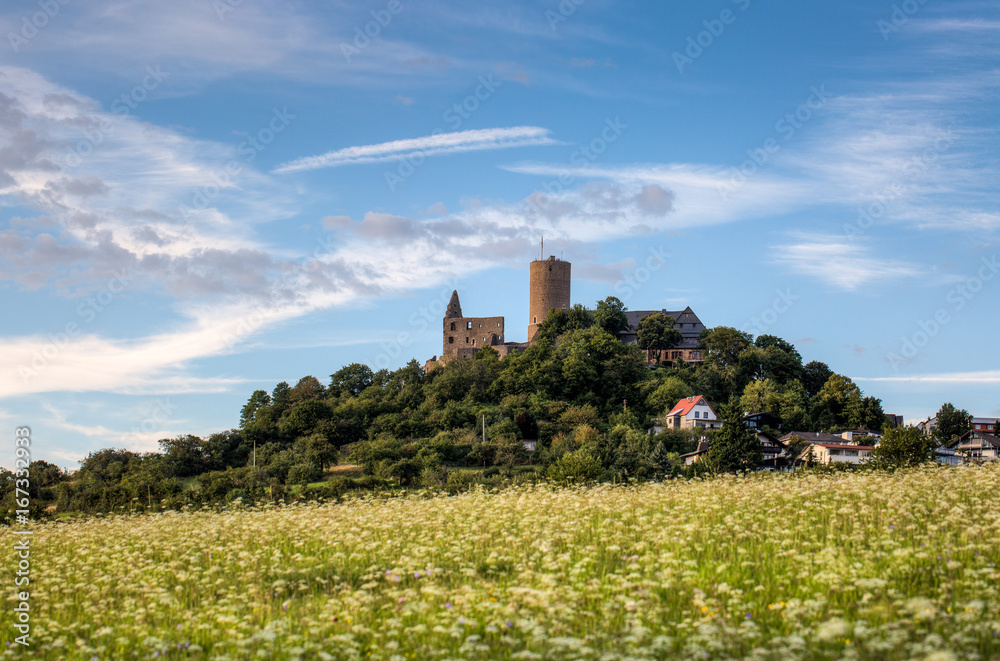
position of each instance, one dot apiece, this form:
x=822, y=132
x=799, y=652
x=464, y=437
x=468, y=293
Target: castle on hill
x=549, y=289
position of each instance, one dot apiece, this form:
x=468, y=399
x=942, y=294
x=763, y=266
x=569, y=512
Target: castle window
x=534, y=320
x=466, y=340
x=468, y=325
x=451, y=340
x=473, y=341
x=453, y=325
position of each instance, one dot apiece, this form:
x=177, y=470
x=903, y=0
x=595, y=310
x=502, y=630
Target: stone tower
x=549, y=290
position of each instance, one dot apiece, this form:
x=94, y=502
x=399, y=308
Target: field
x=855, y=565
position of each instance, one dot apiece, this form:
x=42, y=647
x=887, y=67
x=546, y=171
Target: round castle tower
x=549, y=290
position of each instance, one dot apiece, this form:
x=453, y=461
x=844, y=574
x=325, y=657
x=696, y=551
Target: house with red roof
x=693, y=413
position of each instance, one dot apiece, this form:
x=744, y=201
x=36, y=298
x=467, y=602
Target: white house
x=829, y=453
x=691, y=413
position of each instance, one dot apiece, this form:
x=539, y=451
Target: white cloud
x=957, y=378
x=839, y=262
x=432, y=145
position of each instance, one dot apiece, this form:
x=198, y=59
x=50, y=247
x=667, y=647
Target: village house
x=985, y=424
x=976, y=446
x=831, y=453
x=691, y=413
x=774, y=451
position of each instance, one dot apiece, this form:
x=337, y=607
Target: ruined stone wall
x=466, y=335
x=549, y=289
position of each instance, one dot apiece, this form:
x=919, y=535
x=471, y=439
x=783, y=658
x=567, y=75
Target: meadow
x=849, y=565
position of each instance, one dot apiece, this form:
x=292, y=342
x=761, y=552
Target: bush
x=461, y=480
x=303, y=473
x=577, y=466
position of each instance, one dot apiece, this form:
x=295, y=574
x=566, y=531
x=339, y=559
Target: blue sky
x=202, y=198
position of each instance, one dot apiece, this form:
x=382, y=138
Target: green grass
x=855, y=565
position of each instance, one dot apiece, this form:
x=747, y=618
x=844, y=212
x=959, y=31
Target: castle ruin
x=549, y=289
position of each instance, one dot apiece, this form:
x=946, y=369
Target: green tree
x=777, y=360
x=258, y=400
x=865, y=413
x=306, y=389
x=184, y=455
x=656, y=332
x=580, y=465
x=814, y=376
x=316, y=448
x=303, y=473
x=667, y=394
x=951, y=423
x=734, y=448
x=902, y=447
x=351, y=380
x=724, y=345
x=406, y=471
x=830, y=405
x=795, y=446
x=761, y=396
x=509, y=453
x=610, y=315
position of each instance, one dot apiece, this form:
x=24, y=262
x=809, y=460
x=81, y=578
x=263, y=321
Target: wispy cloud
x=431, y=145
x=839, y=262
x=981, y=377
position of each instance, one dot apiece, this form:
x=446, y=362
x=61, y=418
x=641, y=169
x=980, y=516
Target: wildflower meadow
x=847, y=565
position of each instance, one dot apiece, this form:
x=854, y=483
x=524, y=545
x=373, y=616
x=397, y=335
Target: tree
x=351, y=380
x=184, y=455
x=656, y=332
x=735, y=447
x=317, y=449
x=777, y=360
x=509, y=453
x=258, y=400
x=610, y=315
x=724, y=345
x=951, y=423
x=814, y=376
x=830, y=405
x=581, y=465
x=306, y=389
x=761, y=396
x=578, y=317
x=406, y=471
x=795, y=445
x=667, y=394
x=902, y=447
x=865, y=413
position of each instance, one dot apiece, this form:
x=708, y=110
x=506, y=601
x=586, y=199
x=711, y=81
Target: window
x=453, y=325
x=534, y=320
x=466, y=340
x=468, y=325
x=473, y=341
x=451, y=340
x=696, y=414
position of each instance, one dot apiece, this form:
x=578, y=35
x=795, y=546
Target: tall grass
x=855, y=565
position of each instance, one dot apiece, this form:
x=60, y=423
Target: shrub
x=303, y=473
